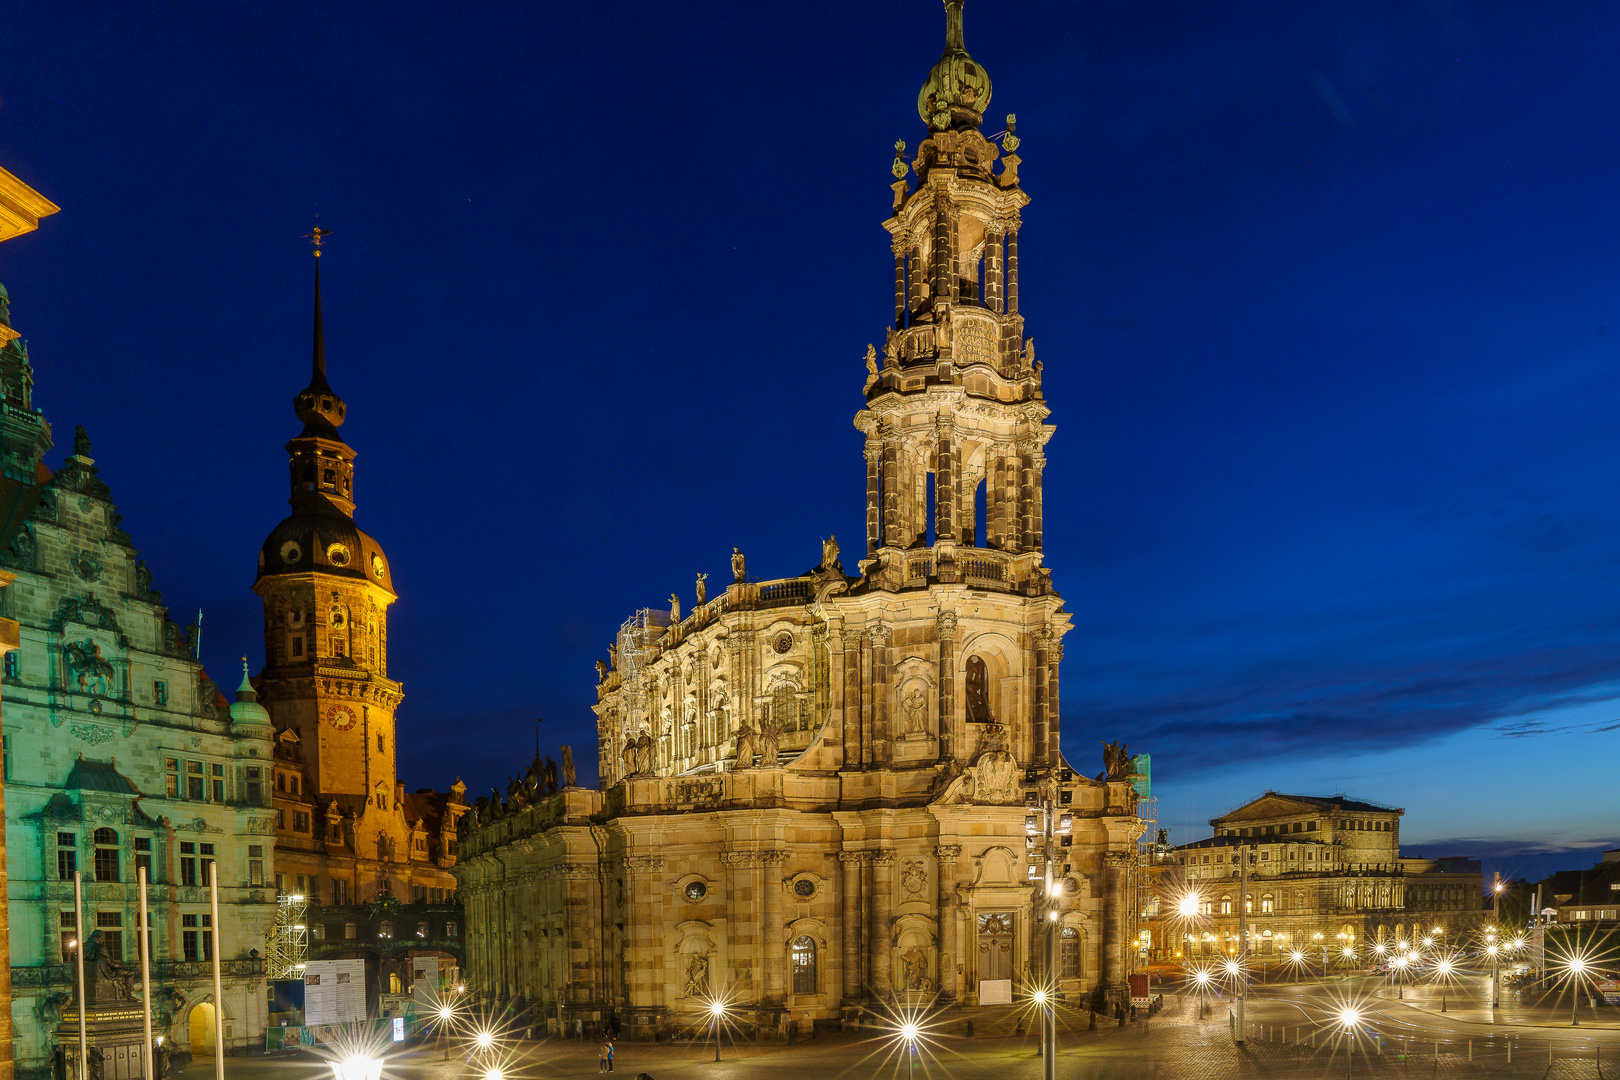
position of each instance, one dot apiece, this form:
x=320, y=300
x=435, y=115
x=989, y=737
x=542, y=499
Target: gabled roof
x=1306, y=802
x=99, y=776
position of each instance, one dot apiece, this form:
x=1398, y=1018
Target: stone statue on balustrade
x=702, y=589
x=739, y=568
x=745, y=746
x=568, y=776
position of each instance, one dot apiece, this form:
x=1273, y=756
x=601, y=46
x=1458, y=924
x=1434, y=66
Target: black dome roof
x=326, y=543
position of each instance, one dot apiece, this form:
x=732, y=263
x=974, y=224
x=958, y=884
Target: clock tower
x=346, y=831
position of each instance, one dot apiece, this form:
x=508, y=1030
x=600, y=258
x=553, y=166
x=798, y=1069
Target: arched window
x=804, y=965
x=1265, y=903
x=106, y=855
x=785, y=707
x=1226, y=905
x=1069, y=953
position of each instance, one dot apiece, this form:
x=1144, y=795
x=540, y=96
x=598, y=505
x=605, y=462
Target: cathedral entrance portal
x=995, y=946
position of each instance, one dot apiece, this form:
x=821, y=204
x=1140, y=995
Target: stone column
x=917, y=278
x=882, y=737
x=942, y=251
x=992, y=272
x=1054, y=715
x=1026, y=496
x=1037, y=470
x=643, y=953
x=881, y=944
x=851, y=704
x=945, y=480
x=899, y=286
x=891, y=494
x=874, y=495
x=952, y=264
x=1012, y=272
x=1116, y=866
x=742, y=922
x=849, y=865
x=1043, y=641
x=770, y=876
x=945, y=858
x=947, y=685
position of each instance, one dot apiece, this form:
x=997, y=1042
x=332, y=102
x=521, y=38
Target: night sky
x=1327, y=296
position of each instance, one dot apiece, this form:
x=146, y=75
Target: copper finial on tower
x=957, y=88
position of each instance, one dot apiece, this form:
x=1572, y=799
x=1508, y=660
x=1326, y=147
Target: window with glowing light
x=1069, y=953
x=804, y=965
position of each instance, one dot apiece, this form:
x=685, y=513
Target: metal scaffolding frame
x=286, y=950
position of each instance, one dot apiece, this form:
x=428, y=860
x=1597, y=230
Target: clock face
x=341, y=716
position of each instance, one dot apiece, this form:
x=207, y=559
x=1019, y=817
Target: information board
x=334, y=992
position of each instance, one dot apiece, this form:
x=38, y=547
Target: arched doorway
x=202, y=1029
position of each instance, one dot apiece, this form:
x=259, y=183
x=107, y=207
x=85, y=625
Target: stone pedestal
x=115, y=1034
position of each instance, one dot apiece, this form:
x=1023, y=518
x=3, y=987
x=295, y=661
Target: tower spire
x=318, y=375
x=957, y=89
x=322, y=466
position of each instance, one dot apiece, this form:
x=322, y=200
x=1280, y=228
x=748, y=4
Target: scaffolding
x=286, y=950
x=1150, y=856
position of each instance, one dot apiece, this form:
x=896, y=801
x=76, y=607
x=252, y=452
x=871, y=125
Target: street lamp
x=1492, y=950
x=909, y=1033
x=446, y=1015
x=717, y=1009
x=1349, y=1017
x=1577, y=967
x=355, y=1068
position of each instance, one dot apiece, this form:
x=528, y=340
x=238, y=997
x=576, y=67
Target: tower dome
x=957, y=90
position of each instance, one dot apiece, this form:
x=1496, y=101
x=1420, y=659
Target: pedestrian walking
x=610, y=1055
x=602, y=1063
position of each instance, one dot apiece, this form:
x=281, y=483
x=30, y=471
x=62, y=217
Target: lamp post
x=908, y=1032
x=717, y=1009
x=1048, y=823
x=1350, y=1018
x=446, y=1014
x=1493, y=950
x=1577, y=967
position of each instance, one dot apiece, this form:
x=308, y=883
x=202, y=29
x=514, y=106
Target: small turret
x=246, y=709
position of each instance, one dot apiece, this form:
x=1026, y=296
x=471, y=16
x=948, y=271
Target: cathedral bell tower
x=954, y=421
x=326, y=587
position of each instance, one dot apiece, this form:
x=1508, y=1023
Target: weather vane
x=316, y=237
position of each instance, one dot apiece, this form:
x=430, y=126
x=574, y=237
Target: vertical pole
x=1049, y=1020
x=1242, y=987
x=78, y=960
x=219, y=993
x=146, y=973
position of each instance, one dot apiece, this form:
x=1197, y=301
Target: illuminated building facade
x=346, y=830
x=119, y=751
x=814, y=788
x=1324, y=872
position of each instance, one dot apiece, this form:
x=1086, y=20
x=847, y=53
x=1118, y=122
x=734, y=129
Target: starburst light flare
x=907, y=1036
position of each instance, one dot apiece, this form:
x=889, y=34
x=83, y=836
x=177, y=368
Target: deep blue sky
x=1327, y=295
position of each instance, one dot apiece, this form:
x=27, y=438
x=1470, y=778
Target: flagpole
x=142, y=942
x=219, y=994
x=78, y=958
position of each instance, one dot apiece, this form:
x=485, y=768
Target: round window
x=696, y=890
x=338, y=554
x=804, y=887
x=291, y=552
x=784, y=642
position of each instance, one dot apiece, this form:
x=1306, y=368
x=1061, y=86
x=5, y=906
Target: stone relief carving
x=914, y=970
x=915, y=705
x=87, y=671
x=914, y=879
x=697, y=976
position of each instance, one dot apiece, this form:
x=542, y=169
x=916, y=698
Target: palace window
x=188, y=862
x=348, y=931
x=67, y=855
x=340, y=893
x=421, y=929
x=292, y=785
x=804, y=965
x=1265, y=904
x=255, y=787
x=194, y=780
x=143, y=856
x=219, y=783
x=111, y=925
x=106, y=855
x=256, y=864
x=450, y=928
x=160, y=692
x=68, y=927
x=1226, y=904
x=298, y=645
x=197, y=937
x=11, y=664
x=318, y=931
x=1069, y=953
x=300, y=821
x=207, y=853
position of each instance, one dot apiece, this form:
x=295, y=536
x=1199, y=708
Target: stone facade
x=346, y=830
x=1324, y=872
x=814, y=789
x=118, y=749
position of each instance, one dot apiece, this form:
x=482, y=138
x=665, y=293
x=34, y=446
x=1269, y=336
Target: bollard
x=1470, y=1049
x=1510, y=1051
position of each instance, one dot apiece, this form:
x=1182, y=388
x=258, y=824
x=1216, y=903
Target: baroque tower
x=813, y=788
